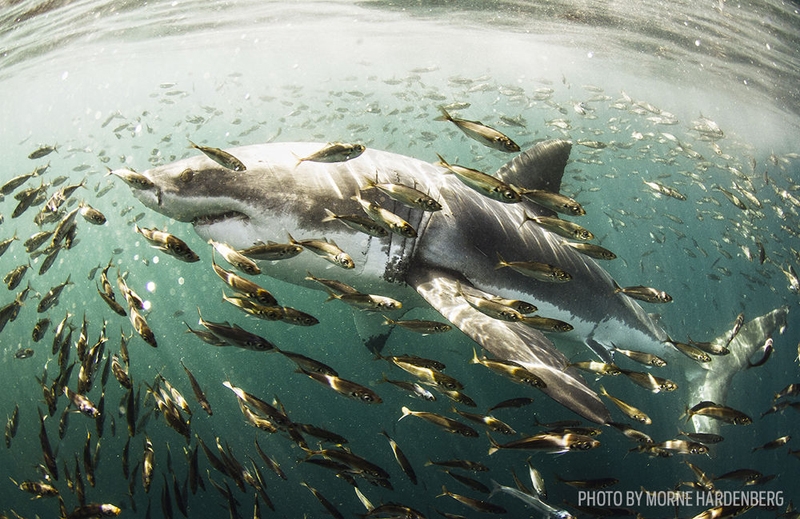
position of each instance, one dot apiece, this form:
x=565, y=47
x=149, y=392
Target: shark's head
x=274, y=194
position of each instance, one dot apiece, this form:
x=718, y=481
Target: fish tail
x=445, y=114
x=406, y=412
x=500, y=262
x=330, y=216
x=475, y=359
x=443, y=162
x=357, y=196
x=445, y=492
x=525, y=218
x=388, y=321
x=495, y=489
x=495, y=446
x=370, y=183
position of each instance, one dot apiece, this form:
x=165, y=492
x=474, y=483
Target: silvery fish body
x=456, y=246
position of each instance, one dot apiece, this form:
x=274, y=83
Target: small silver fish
x=385, y=217
x=272, y=251
x=642, y=293
x=223, y=158
x=358, y=223
x=553, y=201
x=168, y=243
x=335, y=152
x=480, y=132
x=484, y=184
x=238, y=260
x=43, y=151
x=91, y=215
x=560, y=227
x=328, y=250
x=406, y=195
x=536, y=270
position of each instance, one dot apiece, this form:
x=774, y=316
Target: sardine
x=480, y=132
x=335, y=152
x=221, y=157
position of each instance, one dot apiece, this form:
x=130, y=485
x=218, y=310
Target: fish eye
x=186, y=175
x=364, y=396
x=509, y=195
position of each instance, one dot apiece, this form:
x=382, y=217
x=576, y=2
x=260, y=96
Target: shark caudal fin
x=712, y=383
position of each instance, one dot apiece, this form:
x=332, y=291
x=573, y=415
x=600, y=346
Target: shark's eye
x=186, y=175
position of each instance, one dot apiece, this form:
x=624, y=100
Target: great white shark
x=456, y=249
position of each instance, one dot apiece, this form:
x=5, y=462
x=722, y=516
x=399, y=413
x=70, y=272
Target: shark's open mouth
x=210, y=219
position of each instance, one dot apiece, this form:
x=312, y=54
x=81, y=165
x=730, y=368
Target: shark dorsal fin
x=539, y=167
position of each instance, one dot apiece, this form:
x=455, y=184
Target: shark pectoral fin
x=511, y=341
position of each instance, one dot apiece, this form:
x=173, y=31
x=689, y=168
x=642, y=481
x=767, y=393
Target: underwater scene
x=399, y=259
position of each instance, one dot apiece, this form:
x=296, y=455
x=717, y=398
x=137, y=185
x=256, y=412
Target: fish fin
x=714, y=379
x=387, y=321
x=500, y=262
x=372, y=331
x=494, y=446
x=370, y=184
x=539, y=167
x=601, y=351
x=475, y=359
x=510, y=341
x=445, y=115
x=330, y=216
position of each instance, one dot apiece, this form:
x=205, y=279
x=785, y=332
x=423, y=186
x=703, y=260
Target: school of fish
x=243, y=468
